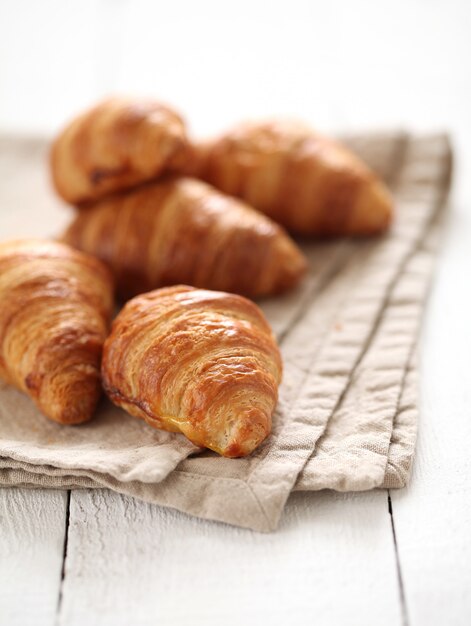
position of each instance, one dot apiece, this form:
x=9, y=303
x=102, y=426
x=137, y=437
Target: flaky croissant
x=202, y=363
x=56, y=304
x=308, y=183
x=184, y=231
x=115, y=145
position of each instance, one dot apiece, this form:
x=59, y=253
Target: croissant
x=56, y=304
x=308, y=183
x=183, y=231
x=115, y=145
x=202, y=363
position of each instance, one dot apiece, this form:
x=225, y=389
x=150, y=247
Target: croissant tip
x=73, y=401
x=375, y=210
x=250, y=429
x=291, y=264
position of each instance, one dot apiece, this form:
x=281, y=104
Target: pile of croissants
x=186, y=229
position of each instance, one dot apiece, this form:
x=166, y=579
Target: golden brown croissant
x=115, y=145
x=308, y=183
x=203, y=363
x=184, y=231
x=56, y=304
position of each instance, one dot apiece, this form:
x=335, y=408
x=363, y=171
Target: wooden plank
x=433, y=516
x=331, y=561
x=32, y=529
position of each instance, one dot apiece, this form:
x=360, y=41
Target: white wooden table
x=94, y=557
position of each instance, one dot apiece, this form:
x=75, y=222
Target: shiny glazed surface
x=116, y=144
x=198, y=362
x=181, y=230
x=55, y=307
x=307, y=182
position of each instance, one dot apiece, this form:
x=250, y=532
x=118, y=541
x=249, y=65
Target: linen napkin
x=347, y=414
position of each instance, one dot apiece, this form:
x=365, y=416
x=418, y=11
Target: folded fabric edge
x=242, y=507
x=401, y=451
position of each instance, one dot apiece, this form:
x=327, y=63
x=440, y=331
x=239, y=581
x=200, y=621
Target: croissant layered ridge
x=181, y=230
x=198, y=362
x=55, y=308
x=115, y=145
x=303, y=180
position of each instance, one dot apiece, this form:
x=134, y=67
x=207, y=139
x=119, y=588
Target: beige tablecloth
x=347, y=414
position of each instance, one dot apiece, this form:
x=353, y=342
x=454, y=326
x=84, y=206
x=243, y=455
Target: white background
x=343, y=66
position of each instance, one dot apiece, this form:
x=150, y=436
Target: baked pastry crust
x=303, y=180
x=115, y=145
x=181, y=230
x=198, y=362
x=56, y=304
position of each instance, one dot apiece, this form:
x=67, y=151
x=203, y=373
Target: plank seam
x=64, y=556
x=400, y=579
